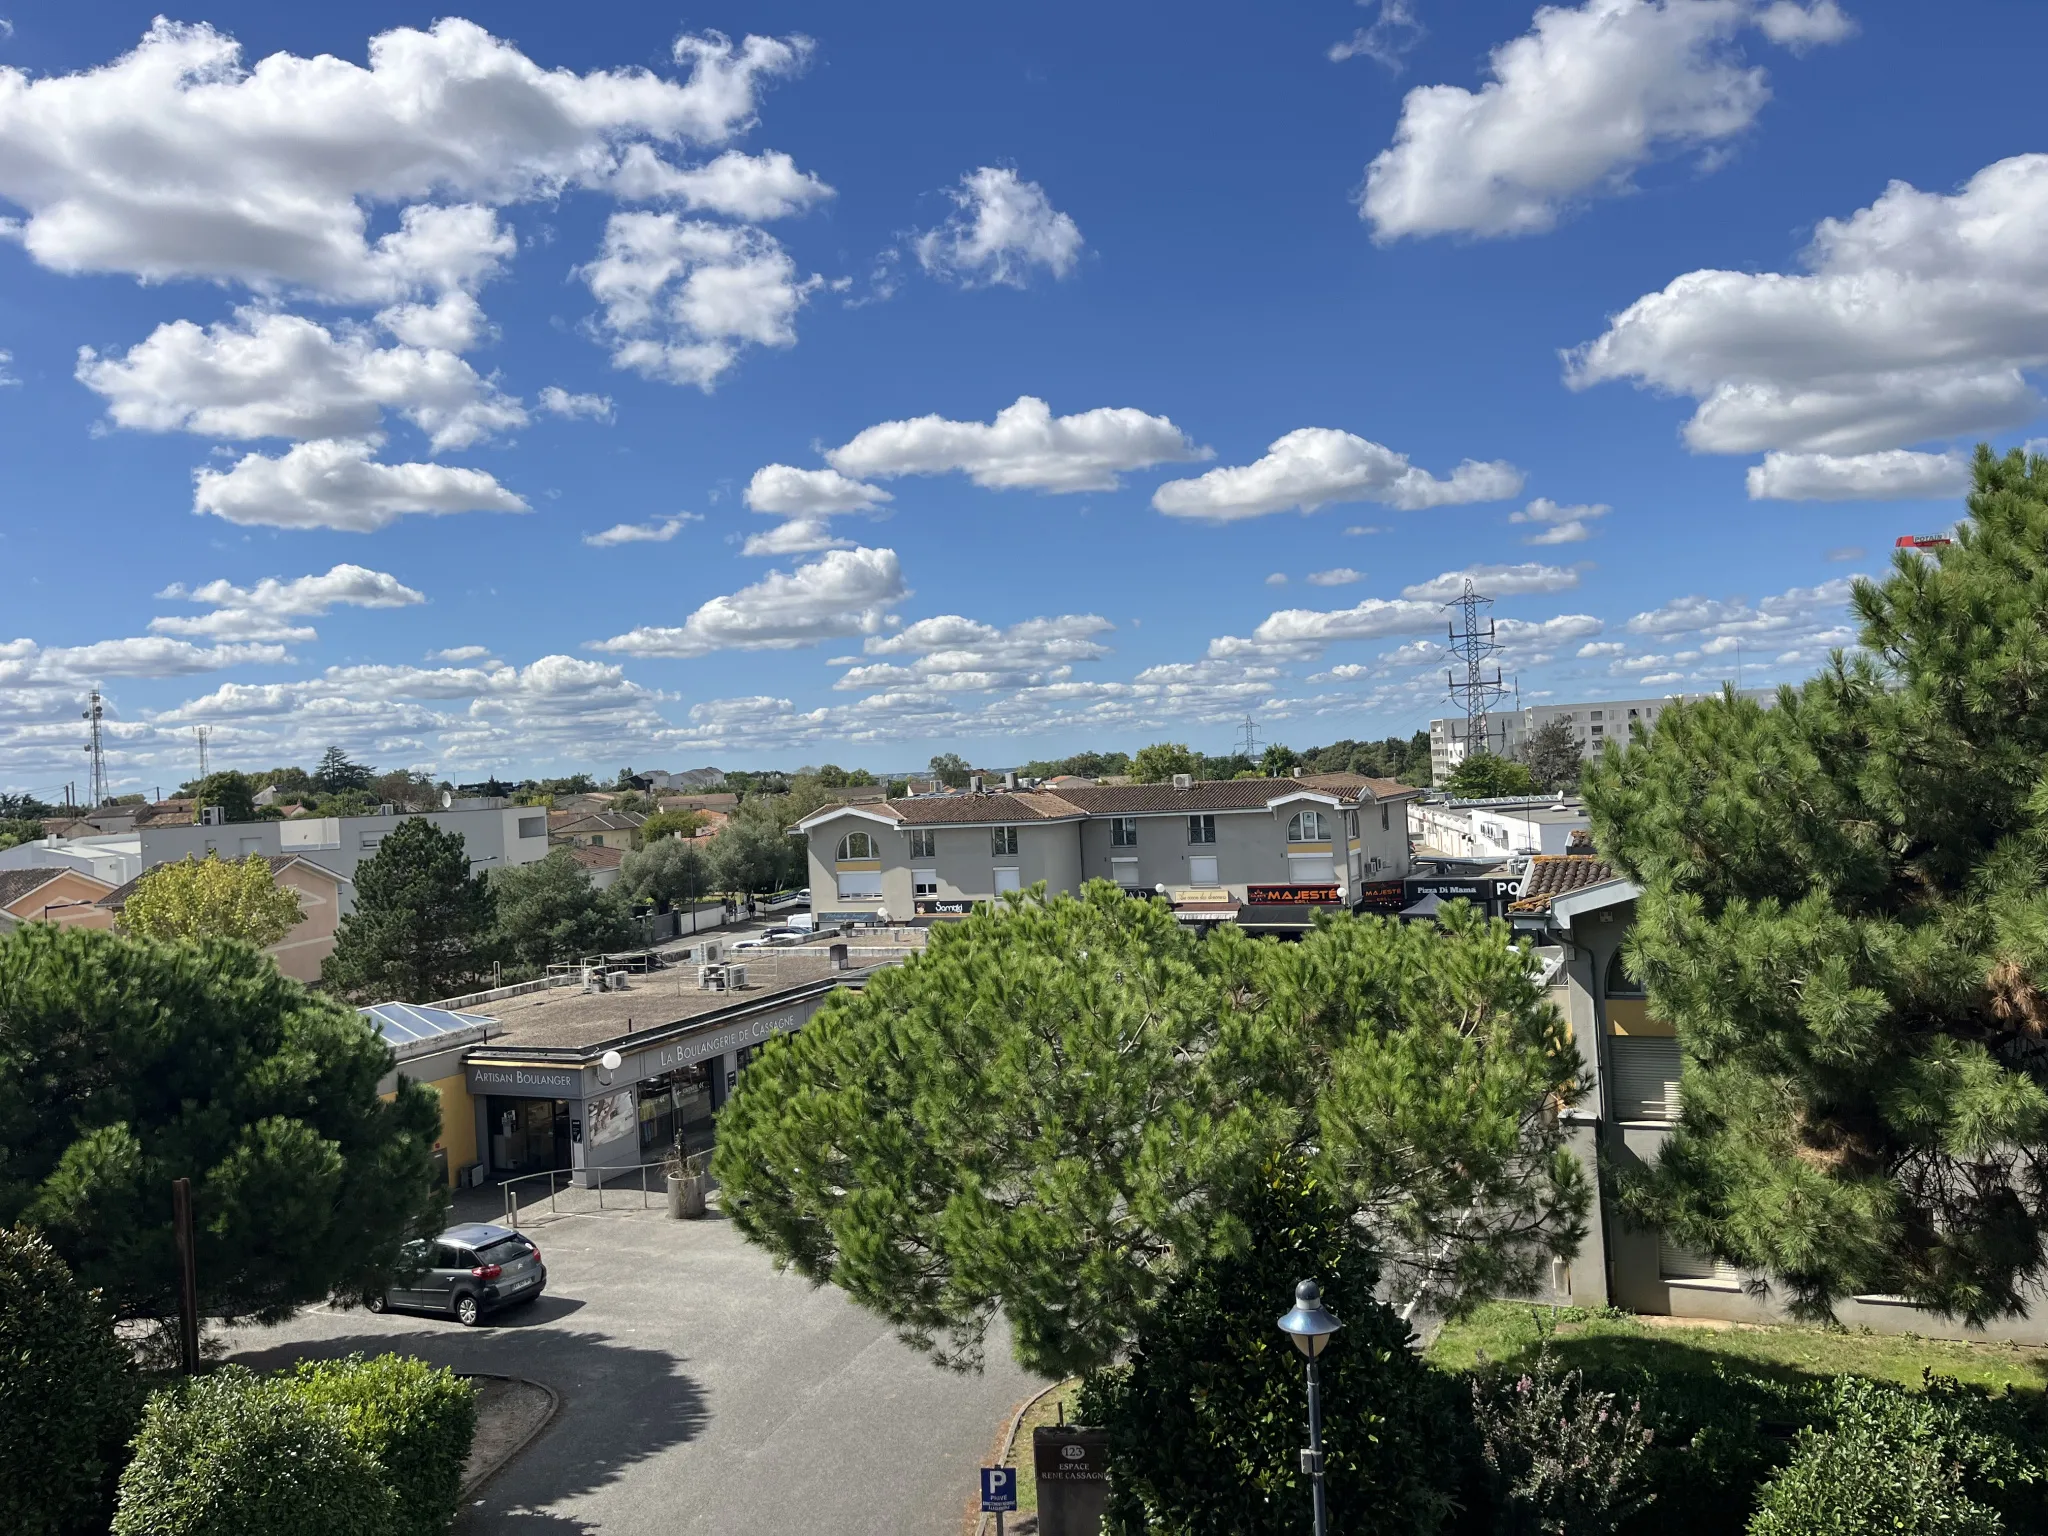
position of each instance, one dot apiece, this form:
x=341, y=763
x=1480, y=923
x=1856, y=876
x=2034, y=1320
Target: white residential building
x=1497, y=829
x=1595, y=722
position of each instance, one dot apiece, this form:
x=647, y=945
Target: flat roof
x=569, y=1016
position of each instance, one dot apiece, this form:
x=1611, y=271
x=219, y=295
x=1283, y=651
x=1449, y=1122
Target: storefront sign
x=1291, y=895
x=526, y=1082
x=695, y=1048
x=1383, y=896
x=948, y=907
x=1487, y=892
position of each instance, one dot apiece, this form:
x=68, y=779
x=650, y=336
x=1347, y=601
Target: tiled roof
x=599, y=821
x=17, y=883
x=118, y=896
x=594, y=856
x=1552, y=875
x=1001, y=806
x=1226, y=794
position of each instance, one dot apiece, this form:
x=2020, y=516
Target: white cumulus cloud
x=1339, y=576
x=1559, y=524
x=952, y=654
x=279, y=375
x=1003, y=228
x=1799, y=27
x=1025, y=447
x=266, y=610
x=557, y=401
x=1312, y=467
x=660, y=531
x=846, y=592
x=1917, y=319
x=1495, y=581
x=336, y=483
x=683, y=298
x=737, y=184
x=795, y=536
x=1575, y=106
x=178, y=160
x=1892, y=474
x=785, y=490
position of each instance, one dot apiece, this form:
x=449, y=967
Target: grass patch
x=1511, y=1332
x=1057, y=1406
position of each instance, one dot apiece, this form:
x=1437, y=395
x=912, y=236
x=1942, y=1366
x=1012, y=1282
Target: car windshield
x=505, y=1250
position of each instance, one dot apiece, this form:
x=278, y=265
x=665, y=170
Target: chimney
x=1010, y=780
x=974, y=784
x=1183, y=781
x=1297, y=773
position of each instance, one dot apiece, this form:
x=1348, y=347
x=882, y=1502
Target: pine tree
x=548, y=912
x=1064, y=1102
x=422, y=923
x=1553, y=758
x=1845, y=913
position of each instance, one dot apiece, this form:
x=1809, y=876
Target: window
x=1598, y=729
x=1002, y=840
x=533, y=826
x=924, y=844
x=364, y=839
x=1124, y=871
x=857, y=845
x=860, y=885
x=1599, y=714
x=1202, y=869
x=1384, y=823
x=1123, y=832
x=924, y=882
x=1201, y=829
x=1006, y=879
x=1619, y=982
x=1306, y=827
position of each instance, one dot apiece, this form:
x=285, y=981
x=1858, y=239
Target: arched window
x=1306, y=827
x=857, y=845
x=1619, y=982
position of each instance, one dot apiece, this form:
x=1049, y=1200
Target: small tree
x=1482, y=776
x=1565, y=1459
x=126, y=1064
x=337, y=773
x=669, y=824
x=951, y=770
x=68, y=1395
x=1158, y=763
x=212, y=898
x=1553, y=758
x=549, y=911
x=422, y=923
x=672, y=872
x=749, y=856
x=1277, y=761
x=232, y=793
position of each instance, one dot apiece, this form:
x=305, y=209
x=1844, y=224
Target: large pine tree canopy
x=1845, y=914
x=1065, y=1102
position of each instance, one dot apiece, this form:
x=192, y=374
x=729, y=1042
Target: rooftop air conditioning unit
x=709, y=952
x=213, y=816
x=711, y=978
x=1183, y=781
x=387, y=810
x=615, y=981
x=974, y=784
x=735, y=975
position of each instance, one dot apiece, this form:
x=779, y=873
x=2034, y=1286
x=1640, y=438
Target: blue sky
x=952, y=381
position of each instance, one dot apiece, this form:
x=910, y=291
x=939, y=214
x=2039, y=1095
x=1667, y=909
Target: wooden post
x=188, y=1276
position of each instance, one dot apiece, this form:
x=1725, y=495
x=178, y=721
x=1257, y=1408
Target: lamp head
x=1309, y=1324
x=611, y=1061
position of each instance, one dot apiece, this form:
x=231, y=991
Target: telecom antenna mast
x=94, y=745
x=202, y=732
x=1470, y=650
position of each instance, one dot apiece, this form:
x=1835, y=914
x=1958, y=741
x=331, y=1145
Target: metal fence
x=632, y=1188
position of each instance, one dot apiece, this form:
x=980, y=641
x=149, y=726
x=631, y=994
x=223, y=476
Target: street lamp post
x=1310, y=1326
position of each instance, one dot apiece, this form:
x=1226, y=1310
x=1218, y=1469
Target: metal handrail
x=700, y=1160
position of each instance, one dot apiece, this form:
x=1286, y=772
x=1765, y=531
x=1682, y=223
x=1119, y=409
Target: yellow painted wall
x=458, y=1122
x=1631, y=1016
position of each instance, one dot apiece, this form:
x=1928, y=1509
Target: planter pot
x=686, y=1194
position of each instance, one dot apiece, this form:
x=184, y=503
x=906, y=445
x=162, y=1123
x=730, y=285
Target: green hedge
x=236, y=1454
x=417, y=1421
x=68, y=1395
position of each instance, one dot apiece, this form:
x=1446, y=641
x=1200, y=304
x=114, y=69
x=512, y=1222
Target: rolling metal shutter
x=1645, y=1083
x=1676, y=1263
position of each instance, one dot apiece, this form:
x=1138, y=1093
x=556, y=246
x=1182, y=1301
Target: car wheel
x=468, y=1310
x=373, y=1303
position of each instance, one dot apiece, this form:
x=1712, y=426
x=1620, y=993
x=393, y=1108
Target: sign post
x=998, y=1493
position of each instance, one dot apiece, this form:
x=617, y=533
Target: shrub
x=1888, y=1467
x=68, y=1396
x=1565, y=1459
x=417, y=1421
x=235, y=1454
x=1208, y=1419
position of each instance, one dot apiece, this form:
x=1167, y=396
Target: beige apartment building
x=1265, y=853
x=1594, y=723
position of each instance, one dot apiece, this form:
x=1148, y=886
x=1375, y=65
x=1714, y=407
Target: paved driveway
x=701, y=1392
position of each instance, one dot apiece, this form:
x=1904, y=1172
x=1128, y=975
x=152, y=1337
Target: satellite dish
x=447, y=799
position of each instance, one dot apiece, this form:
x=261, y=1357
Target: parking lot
x=701, y=1391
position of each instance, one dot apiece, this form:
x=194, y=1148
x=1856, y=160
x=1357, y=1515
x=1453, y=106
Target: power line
x=1469, y=651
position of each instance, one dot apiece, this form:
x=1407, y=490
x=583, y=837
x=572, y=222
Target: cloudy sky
x=552, y=388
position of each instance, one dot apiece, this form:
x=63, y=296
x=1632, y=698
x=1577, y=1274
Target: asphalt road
x=701, y=1392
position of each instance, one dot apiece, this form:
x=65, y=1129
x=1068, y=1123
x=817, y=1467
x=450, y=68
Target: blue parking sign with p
x=998, y=1490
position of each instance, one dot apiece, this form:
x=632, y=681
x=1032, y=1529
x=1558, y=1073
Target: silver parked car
x=466, y=1273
